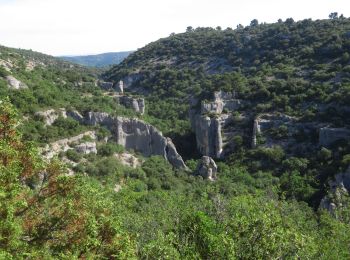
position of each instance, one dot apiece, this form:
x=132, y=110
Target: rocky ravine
x=131, y=133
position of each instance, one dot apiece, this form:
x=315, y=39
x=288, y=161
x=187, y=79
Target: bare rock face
x=98, y=118
x=207, y=168
x=105, y=85
x=64, y=144
x=209, y=121
x=208, y=136
x=119, y=87
x=136, y=104
x=86, y=148
x=139, y=136
x=330, y=135
x=51, y=115
x=76, y=116
x=14, y=83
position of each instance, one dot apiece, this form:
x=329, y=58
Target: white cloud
x=90, y=26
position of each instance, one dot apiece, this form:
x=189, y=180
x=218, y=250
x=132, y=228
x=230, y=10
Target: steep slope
x=98, y=60
x=285, y=93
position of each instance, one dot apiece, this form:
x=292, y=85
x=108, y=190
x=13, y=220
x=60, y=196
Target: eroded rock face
x=207, y=168
x=105, y=85
x=210, y=122
x=119, y=87
x=208, y=136
x=339, y=187
x=51, y=115
x=98, y=118
x=64, y=144
x=128, y=159
x=14, y=83
x=86, y=148
x=139, y=136
x=136, y=104
x=330, y=135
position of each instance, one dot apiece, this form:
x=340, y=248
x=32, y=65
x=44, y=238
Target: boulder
x=51, y=115
x=136, y=104
x=14, y=83
x=207, y=168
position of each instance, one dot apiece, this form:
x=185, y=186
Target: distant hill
x=99, y=60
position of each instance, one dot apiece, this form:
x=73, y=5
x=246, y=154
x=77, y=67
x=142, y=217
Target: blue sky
x=70, y=27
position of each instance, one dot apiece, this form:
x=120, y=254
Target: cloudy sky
x=72, y=27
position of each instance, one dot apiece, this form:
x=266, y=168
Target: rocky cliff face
x=211, y=121
x=146, y=139
x=51, y=115
x=136, y=135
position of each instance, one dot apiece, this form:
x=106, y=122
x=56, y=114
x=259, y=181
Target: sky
x=80, y=27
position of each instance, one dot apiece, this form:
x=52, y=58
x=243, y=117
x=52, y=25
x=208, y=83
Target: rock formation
x=14, y=83
x=330, y=135
x=51, y=115
x=210, y=120
x=128, y=159
x=136, y=104
x=119, y=87
x=339, y=187
x=105, y=85
x=137, y=135
x=207, y=168
x=86, y=148
x=64, y=144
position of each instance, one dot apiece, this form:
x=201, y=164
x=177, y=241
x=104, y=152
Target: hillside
x=98, y=60
x=210, y=144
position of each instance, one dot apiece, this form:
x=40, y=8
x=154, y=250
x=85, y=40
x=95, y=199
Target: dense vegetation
x=98, y=60
x=158, y=213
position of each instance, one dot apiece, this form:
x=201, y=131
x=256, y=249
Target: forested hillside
x=98, y=60
x=257, y=167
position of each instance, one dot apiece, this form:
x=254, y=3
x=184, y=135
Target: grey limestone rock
x=119, y=87
x=14, y=83
x=136, y=104
x=50, y=116
x=86, y=148
x=207, y=168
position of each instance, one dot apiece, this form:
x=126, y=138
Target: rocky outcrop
x=14, y=83
x=65, y=144
x=210, y=121
x=330, y=135
x=86, y=148
x=222, y=101
x=136, y=135
x=207, y=168
x=136, y=104
x=105, y=85
x=128, y=159
x=51, y=115
x=339, y=187
x=208, y=136
x=139, y=136
x=76, y=116
x=98, y=118
x=119, y=87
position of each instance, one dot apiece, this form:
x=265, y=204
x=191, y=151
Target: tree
x=254, y=23
x=333, y=15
